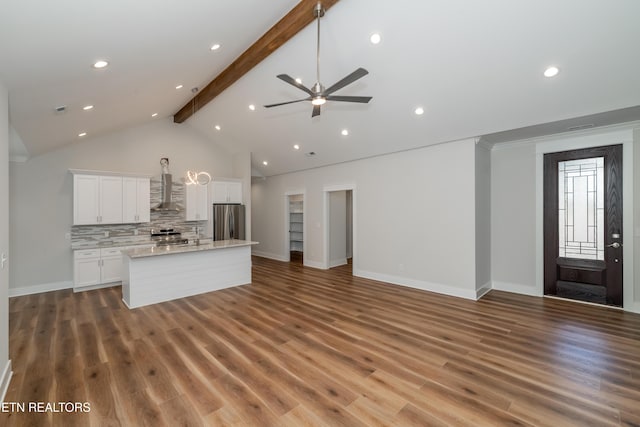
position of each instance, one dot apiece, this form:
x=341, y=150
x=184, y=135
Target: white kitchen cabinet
x=86, y=267
x=227, y=191
x=97, y=199
x=136, y=200
x=95, y=268
x=110, y=265
x=196, y=202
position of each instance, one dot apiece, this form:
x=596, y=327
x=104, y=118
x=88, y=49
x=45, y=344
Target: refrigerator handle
x=231, y=224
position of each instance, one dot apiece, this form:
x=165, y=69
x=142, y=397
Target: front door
x=583, y=224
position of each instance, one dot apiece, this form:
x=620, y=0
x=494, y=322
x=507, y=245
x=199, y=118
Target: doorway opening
x=583, y=225
x=339, y=228
x=295, y=218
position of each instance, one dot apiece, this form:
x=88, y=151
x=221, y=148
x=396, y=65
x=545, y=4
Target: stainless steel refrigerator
x=228, y=222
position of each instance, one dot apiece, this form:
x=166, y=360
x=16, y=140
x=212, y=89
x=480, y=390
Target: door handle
x=614, y=245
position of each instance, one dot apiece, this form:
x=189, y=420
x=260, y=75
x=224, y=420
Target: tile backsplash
x=83, y=236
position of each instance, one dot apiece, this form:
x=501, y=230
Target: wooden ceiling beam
x=290, y=25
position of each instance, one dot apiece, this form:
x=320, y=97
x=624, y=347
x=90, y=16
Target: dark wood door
x=583, y=224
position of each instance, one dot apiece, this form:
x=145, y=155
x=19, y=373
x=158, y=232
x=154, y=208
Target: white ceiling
x=475, y=66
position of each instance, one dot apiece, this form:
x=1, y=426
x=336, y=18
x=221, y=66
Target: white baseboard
x=269, y=255
x=5, y=379
x=314, y=264
x=483, y=290
x=337, y=262
x=93, y=287
x=418, y=284
x=38, y=289
x=635, y=308
x=516, y=288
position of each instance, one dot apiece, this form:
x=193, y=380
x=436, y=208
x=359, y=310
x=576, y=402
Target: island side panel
x=162, y=278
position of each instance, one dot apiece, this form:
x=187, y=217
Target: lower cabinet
x=93, y=268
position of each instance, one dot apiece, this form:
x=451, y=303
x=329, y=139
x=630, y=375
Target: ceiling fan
x=318, y=95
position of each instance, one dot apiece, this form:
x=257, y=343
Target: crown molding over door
x=290, y=25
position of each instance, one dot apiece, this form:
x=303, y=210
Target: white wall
x=414, y=220
x=337, y=228
x=636, y=215
x=41, y=190
x=483, y=219
x=5, y=364
x=513, y=219
x=516, y=209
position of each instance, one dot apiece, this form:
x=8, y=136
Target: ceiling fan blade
x=360, y=72
x=292, y=81
x=316, y=111
x=362, y=99
x=285, y=103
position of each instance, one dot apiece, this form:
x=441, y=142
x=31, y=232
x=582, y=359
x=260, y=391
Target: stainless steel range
x=167, y=237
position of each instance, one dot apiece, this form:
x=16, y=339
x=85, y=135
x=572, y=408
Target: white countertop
x=206, y=245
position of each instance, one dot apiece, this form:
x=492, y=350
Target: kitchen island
x=158, y=274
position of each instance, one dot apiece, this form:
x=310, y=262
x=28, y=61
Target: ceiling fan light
x=318, y=100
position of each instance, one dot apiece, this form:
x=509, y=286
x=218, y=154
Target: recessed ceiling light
x=345, y=132
x=100, y=64
x=154, y=115
x=419, y=111
x=375, y=38
x=87, y=107
x=551, y=72
x=265, y=163
x=252, y=107
x=299, y=80
x=296, y=147
x=215, y=46
x=81, y=134
x=179, y=87
x=217, y=127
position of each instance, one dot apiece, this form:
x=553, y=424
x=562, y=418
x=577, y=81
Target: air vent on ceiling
x=578, y=127
x=310, y=154
x=61, y=109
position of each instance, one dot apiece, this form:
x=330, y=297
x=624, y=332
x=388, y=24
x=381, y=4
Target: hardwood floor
x=301, y=347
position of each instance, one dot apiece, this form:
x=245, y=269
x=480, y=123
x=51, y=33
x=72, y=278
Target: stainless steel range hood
x=166, y=205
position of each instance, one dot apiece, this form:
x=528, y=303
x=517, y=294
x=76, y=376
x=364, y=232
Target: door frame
x=287, y=244
x=354, y=224
x=612, y=221
x=576, y=142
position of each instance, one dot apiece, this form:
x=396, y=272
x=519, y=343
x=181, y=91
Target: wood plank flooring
x=305, y=347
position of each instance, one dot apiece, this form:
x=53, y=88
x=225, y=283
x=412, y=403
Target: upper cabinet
x=227, y=191
x=196, y=202
x=107, y=198
x=97, y=199
x=136, y=201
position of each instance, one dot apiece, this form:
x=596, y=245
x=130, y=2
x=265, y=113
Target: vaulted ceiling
x=476, y=68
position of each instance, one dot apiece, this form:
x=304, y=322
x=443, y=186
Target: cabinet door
x=144, y=200
x=203, y=202
x=220, y=192
x=197, y=202
x=110, y=200
x=86, y=272
x=129, y=200
x=191, y=202
x=86, y=199
x=111, y=269
x=234, y=192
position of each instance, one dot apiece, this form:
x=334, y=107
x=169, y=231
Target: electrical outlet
x=106, y=234
x=135, y=232
x=401, y=267
x=67, y=236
